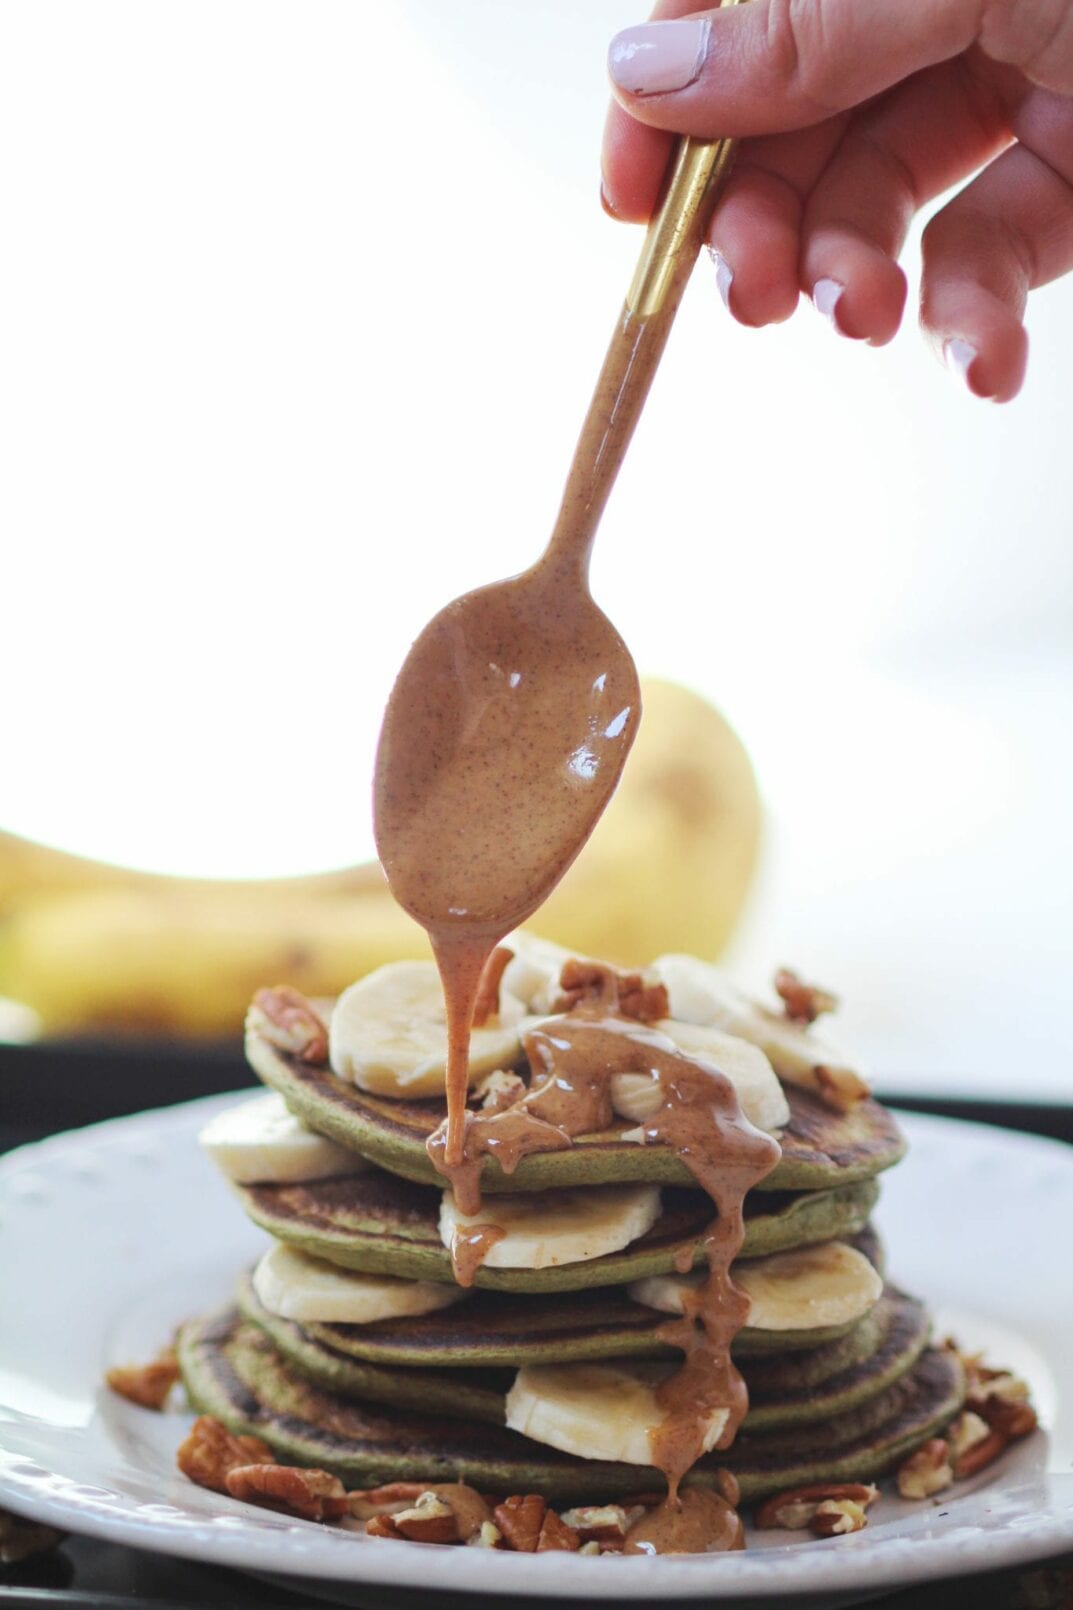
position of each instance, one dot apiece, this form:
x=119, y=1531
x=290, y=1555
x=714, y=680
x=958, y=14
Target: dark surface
x=51, y=1087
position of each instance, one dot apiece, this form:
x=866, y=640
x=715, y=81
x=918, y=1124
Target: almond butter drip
x=470, y=1247
x=573, y=1059
x=695, y=1522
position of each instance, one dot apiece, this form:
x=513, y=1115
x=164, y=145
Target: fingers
x=756, y=231
x=774, y=65
x=634, y=156
x=1006, y=233
x=918, y=140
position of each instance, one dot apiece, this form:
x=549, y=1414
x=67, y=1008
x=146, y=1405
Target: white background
x=300, y=306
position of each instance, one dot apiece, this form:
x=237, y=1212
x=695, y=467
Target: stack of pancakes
x=425, y=1397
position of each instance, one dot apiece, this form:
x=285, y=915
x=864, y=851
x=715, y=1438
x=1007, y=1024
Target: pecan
x=836, y=1516
x=625, y=993
x=486, y=1004
x=963, y=1434
x=21, y=1539
x=210, y=1451
x=840, y=1088
x=312, y=1494
x=803, y=1002
x=598, y=1523
x=794, y=1509
x=381, y=1526
x=555, y=1534
x=287, y=1020
x=146, y=1384
x=926, y=1471
x=1001, y=1399
x=499, y=1090
x=365, y=1502
x=520, y=1520
x=431, y=1520
x=980, y=1454
x=488, y=1537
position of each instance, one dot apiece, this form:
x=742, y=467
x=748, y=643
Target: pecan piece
x=837, y=1516
x=146, y=1384
x=431, y=1520
x=365, y=1502
x=499, y=1090
x=793, y=1510
x=926, y=1471
x=311, y=1494
x=803, y=1002
x=287, y=1020
x=555, y=1534
x=978, y=1455
x=520, y=1520
x=625, y=993
x=598, y=1523
x=840, y=1088
x=209, y=1451
x=1001, y=1399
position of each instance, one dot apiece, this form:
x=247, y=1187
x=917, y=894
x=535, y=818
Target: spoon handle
x=696, y=177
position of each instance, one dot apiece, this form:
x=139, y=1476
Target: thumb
x=772, y=65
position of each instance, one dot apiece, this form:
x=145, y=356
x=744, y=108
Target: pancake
x=381, y=1224
x=232, y=1371
x=820, y=1147
x=513, y=1328
x=898, y=1336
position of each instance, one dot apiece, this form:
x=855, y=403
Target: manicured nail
x=605, y=203
x=655, y=58
x=960, y=356
x=825, y=298
x=724, y=275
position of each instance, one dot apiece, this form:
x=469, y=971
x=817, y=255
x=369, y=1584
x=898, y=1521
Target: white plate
x=111, y=1235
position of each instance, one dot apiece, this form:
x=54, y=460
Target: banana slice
x=261, y=1141
x=596, y=1411
x=546, y=1228
x=295, y=1286
x=531, y=977
x=831, y=1284
x=701, y=994
x=389, y=1033
x=762, y=1098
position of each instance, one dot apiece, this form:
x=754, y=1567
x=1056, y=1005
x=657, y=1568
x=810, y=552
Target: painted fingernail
x=825, y=298
x=960, y=356
x=605, y=203
x=724, y=275
x=655, y=58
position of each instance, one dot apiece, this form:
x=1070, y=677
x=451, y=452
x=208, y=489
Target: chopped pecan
x=793, y=1510
x=980, y=1454
x=803, y=1002
x=146, y=1384
x=598, y=1523
x=487, y=1537
x=837, y=1516
x=625, y=993
x=431, y=1520
x=365, y=1502
x=287, y=1020
x=499, y=1090
x=926, y=1471
x=21, y=1539
x=1001, y=1399
x=840, y=1088
x=311, y=1494
x=555, y=1534
x=591, y=1547
x=486, y=1004
x=520, y=1520
x=963, y=1434
x=209, y=1451
x=382, y=1526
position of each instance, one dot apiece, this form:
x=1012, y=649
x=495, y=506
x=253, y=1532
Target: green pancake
x=385, y=1225
x=820, y=1147
x=232, y=1371
x=492, y=1328
x=900, y=1332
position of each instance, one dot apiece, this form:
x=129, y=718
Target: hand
x=853, y=115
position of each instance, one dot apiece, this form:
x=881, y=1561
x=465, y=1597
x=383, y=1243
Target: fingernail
x=655, y=58
x=724, y=275
x=605, y=203
x=825, y=297
x=960, y=356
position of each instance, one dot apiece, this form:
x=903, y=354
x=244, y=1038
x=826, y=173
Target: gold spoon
x=511, y=719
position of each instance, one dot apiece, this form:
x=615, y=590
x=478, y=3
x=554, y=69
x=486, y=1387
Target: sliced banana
x=596, y=1411
x=389, y=1033
x=702, y=994
x=295, y=1286
x=762, y=1098
x=531, y=977
x=546, y=1228
x=261, y=1142
x=811, y=1287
